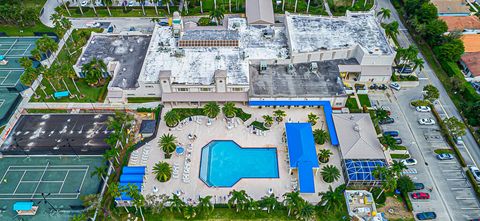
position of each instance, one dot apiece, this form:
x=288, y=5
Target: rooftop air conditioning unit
x=291, y=69
x=263, y=67
x=314, y=67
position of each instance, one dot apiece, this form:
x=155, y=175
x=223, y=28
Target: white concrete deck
x=256, y=188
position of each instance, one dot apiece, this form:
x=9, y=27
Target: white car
x=395, y=85
x=426, y=121
x=459, y=141
x=84, y=3
x=93, y=24
x=409, y=162
x=476, y=172
x=423, y=108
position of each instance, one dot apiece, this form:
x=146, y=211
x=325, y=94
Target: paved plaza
x=151, y=153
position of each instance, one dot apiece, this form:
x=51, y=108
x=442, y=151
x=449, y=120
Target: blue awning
x=134, y=178
x=124, y=193
x=301, y=147
x=138, y=170
x=305, y=178
x=24, y=206
x=327, y=109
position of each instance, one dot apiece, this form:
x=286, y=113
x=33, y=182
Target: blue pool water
x=224, y=163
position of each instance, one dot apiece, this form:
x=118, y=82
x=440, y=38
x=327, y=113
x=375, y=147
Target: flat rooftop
x=128, y=50
x=316, y=33
x=196, y=66
x=58, y=134
x=276, y=81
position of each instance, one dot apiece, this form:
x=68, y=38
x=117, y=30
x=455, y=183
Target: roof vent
x=356, y=127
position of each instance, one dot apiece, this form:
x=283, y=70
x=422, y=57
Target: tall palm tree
x=25, y=62
x=93, y=6
x=115, y=191
x=211, y=109
x=189, y=212
x=217, y=14
x=332, y=198
x=306, y=211
x=94, y=71
x=49, y=75
x=167, y=2
x=80, y=7
x=138, y=199
x=384, y=13
x=69, y=73
x=397, y=167
x=171, y=118
x=229, y=109
x=389, y=182
x=391, y=29
x=268, y=120
x=418, y=63
x=292, y=201
x=176, y=203
x=28, y=77
x=168, y=144
x=36, y=54
x=109, y=3
x=388, y=142
x=320, y=136
x=324, y=155
x=155, y=3
x=142, y=3
x=100, y=172
x=205, y=205
x=330, y=173
x=312, y=118
x=201, y=6
x=162, y=171
x=279, y=115
x=66, y=7
x=269, y=202
x=238, y=199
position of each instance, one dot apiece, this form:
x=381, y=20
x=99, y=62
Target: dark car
x=419, y=186
x=398, y=140
x=392, y=133
x=421, y=196
x=387, y=120
x=426, y=216
x=382, y=87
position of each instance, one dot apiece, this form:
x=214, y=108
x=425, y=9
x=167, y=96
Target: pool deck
x=256, y=188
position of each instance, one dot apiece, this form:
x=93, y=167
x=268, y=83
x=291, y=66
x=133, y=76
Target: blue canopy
x=305, y=174
x=60, y=94
x=138, y=170
x=327, y=109
x=124, y=194
x=131, y=178
x=22, y=206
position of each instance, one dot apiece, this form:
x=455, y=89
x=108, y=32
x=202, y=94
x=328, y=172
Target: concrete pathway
x=48, y=10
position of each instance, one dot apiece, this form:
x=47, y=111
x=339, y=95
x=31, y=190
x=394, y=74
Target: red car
x=421, y=195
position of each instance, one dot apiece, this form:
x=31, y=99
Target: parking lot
x=452, y=197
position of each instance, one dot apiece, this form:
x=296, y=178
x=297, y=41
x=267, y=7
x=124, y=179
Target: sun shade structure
x=303, y=156
x=259, y=12
x=124, y=194
x=360, y=172
x=131, y=175
x=134, y=170
x=327, y=109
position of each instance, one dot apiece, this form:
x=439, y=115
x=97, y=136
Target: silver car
x=476, y=172
x=426, y=121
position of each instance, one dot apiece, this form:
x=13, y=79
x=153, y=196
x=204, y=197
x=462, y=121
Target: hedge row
x=448, y=136
x=474, y=183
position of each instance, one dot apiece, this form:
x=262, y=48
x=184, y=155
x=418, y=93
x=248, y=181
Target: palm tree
x=176, y=203
x=389, y=142
x=332, y=199
x=80, y=7
x=142, y=3
x=211, y=109
x=292, y=201
x=109, y=3
x=306, y=211
x=201, y=6
x=79, y=217
x=320, y=136
x=70, y=74
x=46, y=45
x=94, y=71
x=217, y=14
x=384, y=13
x=268, y=120
x=238, y=199
x=28, y=77
x=189, y=212
x=36, y=54
x=162, y=171
x=167, y=2
x=93, y=6
x=66, y=8
x=167, y=142
x=312, y=118
x=229, y=109
x=418, y=63
x=279, y=115
x=172, y=118
x=155, y=3
x=50, y=74
x=389, y=182
x=205, y=205
x=269, y=202
x=397, y=167
x=100, y=172
x=115, y=191
x=330, y=173
x=25, y=62
x=138, y=199
x=324, y=155
x=391, y=29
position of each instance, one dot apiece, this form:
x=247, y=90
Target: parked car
x=476, y=172
x=444, y=156
x=373, y=87
x=84, y=3
x=382, y=87
x=423, y=108
x=459, y=141
x=130, y=3
x=420, y=196
x=93, y=24
x=398, y=140
x=419, y=186
x=387, y=120
x=426, y=216
x=392, y=133
x=409, y=162
x=426, y=121
x=395, y=85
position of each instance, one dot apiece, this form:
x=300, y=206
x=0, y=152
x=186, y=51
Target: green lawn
x=258, y=125
x=13, y=30
x=364, y=100
x=398, y=147
x=351, y=103
x=316, y=7
x=142, y=99
x=399, y=156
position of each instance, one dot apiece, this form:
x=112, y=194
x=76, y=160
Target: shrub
x=241, y=114
x=420, y=103
x=399, y=156
x=380, y=200
x=474, y=183
x=204, y=21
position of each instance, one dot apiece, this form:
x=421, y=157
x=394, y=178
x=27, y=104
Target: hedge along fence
x=448, y=136
x=474, y=183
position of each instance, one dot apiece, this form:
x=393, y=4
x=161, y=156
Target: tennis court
x=60, y=180
x=14, y=48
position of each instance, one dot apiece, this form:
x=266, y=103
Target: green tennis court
x=14, y=48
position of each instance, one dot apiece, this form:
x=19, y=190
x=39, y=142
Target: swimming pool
x=224, y=163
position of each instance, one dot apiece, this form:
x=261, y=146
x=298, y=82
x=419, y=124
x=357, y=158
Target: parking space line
x=471, y=208
x=460, y=188
x=453, y=179
x=464, y=198
x=447, y=162
x=457, y=170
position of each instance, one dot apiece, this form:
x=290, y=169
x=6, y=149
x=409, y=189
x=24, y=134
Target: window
x=205, y=89
x=182, y=89
x=237, y=89
x=151, y=94
x=164, y=82
x=149, y=86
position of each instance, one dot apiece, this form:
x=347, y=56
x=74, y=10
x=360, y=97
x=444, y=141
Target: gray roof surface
x=260, y=12
x=128, y=50
x=278, y=82
x=148, y=126
x=357, y=136
x=211, y=35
